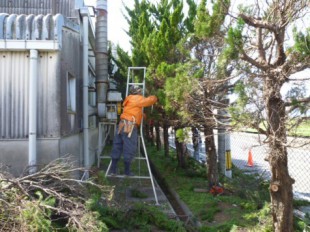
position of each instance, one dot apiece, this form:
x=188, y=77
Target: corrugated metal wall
x=53, y=67
x=14, y=88
x=14, y=95
x=36, y=7
x=71, y=61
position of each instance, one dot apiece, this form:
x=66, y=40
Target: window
x=71, y=93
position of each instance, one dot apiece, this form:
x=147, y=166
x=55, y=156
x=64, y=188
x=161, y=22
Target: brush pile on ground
x=47, y=200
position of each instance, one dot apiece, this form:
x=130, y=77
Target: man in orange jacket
x=126, y=138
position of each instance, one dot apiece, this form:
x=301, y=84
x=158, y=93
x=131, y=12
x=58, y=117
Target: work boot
x=127, y=169
x=113, y=168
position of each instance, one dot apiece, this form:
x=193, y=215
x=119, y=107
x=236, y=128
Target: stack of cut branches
x=48, y=199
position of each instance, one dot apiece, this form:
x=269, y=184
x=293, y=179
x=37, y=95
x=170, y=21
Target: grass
x=303, y=130
x=244, y=206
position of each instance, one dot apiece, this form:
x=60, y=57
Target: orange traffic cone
x=250, y=159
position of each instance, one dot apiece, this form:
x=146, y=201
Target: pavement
x=128, y=191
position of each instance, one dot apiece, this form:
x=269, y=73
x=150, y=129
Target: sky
x=117, y=24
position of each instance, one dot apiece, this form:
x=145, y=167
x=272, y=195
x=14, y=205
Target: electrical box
x=114, y=99
x=112, y=111
x=114, y=96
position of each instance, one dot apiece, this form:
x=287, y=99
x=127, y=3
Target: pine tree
x=267, y=62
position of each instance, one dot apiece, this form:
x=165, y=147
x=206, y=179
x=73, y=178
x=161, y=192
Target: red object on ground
x=216, y=190
x=250, y=159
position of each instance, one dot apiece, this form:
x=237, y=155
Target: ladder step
x=135, y=83
x=104, y=157
x=109, y=157
x=132, y=177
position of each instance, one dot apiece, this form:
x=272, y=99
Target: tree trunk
x=195, y=140
x=147, y=132
x=158, y=140
x=166, y=138
x=151, y=131
x=181, y=152
x=281, y=183
x=212, y=167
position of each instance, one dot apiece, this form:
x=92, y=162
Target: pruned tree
x=205, y=79
x=49, y=199
x=155, y=31
x=260, y=40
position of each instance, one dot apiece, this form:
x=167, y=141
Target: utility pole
x=224, y=149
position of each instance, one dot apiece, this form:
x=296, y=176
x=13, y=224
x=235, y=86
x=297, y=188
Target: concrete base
x=14, y=153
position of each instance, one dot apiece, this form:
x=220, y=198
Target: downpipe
x=33, y=76
x=84, y=13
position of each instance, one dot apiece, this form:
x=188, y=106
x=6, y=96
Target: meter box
x=114, y=96
x=112, y=111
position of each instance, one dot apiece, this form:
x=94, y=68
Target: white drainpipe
x=84, y=13
x=32, y=152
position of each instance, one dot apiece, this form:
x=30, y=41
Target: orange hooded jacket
x=133, y=106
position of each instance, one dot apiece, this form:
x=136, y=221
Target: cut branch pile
x=47, y=199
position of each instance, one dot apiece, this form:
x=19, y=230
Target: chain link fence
x=298, y=159
x=241, y=145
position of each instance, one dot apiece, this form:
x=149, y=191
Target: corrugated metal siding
x=53, y=119
x=49, y=95
x=14, y=88
x=31, y=27
x=14, y=96
x=64, y=7
x=71, y=61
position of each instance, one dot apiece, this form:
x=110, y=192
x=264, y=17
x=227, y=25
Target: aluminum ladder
x=131, y=82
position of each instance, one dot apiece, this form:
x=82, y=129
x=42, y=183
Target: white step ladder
x=131, y=82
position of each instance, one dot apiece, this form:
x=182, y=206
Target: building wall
x=59, y=130
x=71, y=64
x=14, y=95
x=37, y=7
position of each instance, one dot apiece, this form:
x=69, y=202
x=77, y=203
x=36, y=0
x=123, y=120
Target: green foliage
x=207, y=25
x=234, y=40
x=246, y=197
x=246, y=110
x=142, y=216
x=192, y=11
x=165, y=70
x=238, y=110
x=34, y=218
x=178, y=87
x=182, y=134
x=302, y=42
x=208, y=213
x=297, y=203
x=234, y=45
x=139, y=217
x=240, y=90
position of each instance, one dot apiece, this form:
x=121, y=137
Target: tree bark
x=282, y=196
x=166, y=138
x=212, y=167
x=158, y=140
x=147, y=132
x=181, y=151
